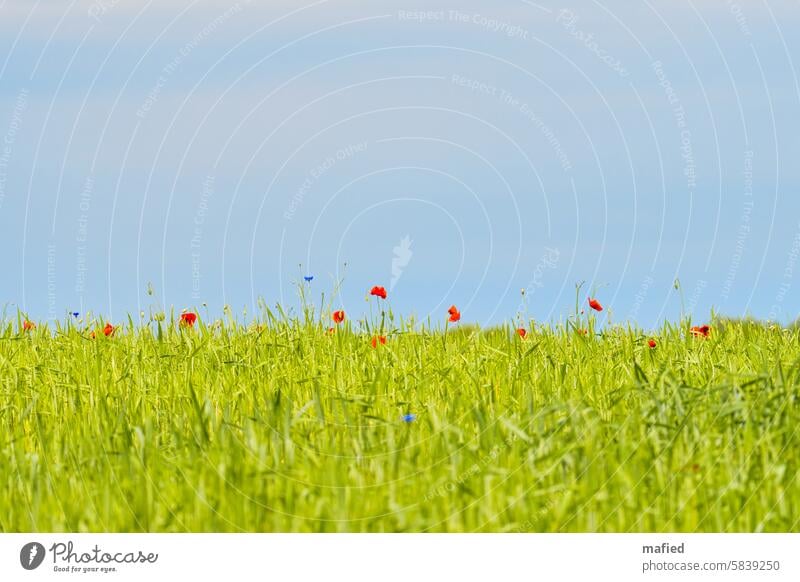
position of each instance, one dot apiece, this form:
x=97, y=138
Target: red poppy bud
x=188, y=319
x=378, y=292
x=455, y=314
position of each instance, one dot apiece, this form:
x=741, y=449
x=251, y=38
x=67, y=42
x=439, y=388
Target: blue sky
x=454, y=152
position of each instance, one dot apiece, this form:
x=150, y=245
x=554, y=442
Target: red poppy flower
x=331, y=330
x=338, y=317
x=701, y=331
x=378, y=292
x=188, y=318
x=652, y=344
x=378, y=338
x=522, y=333
x=455, y=314
x=595, y=304
x=108, y=330
x=28, y=325
x=92, y=335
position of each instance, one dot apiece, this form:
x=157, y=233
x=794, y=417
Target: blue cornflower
x=409, y=418
x=75, y=314
x=309, y=279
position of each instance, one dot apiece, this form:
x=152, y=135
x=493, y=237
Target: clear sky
x=452, y=151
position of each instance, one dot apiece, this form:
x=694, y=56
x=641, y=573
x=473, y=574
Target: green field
x=279, y=425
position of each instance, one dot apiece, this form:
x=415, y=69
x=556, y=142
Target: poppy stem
x=578, y=287
x=679, y=288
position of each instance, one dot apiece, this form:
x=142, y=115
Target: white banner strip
x=400, y=557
